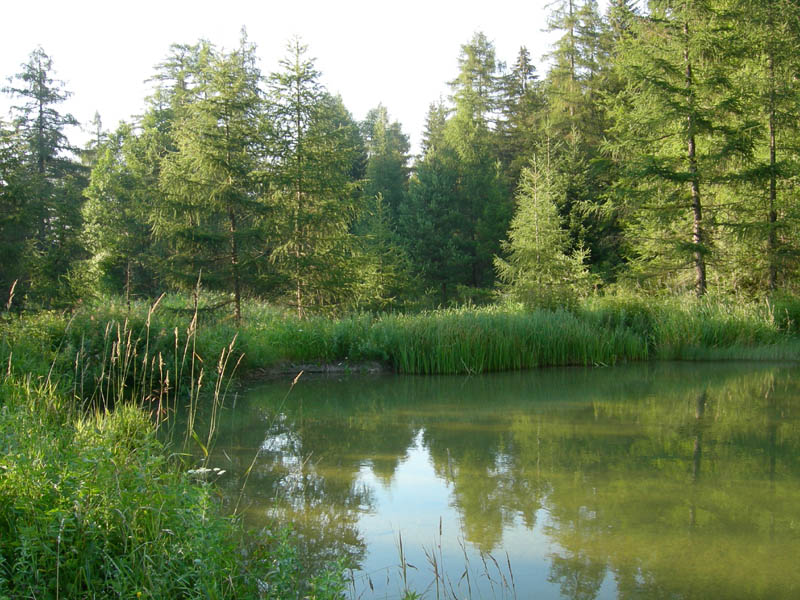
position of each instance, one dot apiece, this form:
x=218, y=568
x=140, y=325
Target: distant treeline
x=658, y=153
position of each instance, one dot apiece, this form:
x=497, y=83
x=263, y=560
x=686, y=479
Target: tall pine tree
x=53, y=181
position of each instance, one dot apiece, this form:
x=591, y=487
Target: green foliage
x=90, y=505
x=314, y=200
x=600, y=329
x=539, y=271
x=387, y=171
x=678, y=130
x=573, y=126
x=431, y=226
x=759, y=206
x=481, y=202
x=212, y=183
x=90, y=508
x=382, y=265
x=116, y=229
x=40, y=190
x=521, y=107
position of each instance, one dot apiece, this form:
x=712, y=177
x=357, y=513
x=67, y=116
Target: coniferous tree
x=213, y=181
x=483, y=203
x=387, y=169
x=574, y=126
x=522, y=105
x=761, y=210
x=54, y=180
x=316, y=155
x=117, y=228
x=380, y=262
x=540, y=269
x=98, y=136
x=674, y=132
x=17, y=221
x=179, y=80
x=432, y=229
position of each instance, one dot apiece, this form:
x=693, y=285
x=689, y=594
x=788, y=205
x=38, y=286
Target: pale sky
x=400, y=54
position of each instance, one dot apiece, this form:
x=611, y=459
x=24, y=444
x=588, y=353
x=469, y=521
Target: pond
x=660, y=480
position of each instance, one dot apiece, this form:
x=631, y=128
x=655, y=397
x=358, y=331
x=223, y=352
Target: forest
x=635, y=201
x=656, y=154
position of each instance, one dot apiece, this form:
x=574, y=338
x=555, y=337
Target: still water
x=641, y=481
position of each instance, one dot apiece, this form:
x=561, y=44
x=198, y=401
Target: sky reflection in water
x=658, y=480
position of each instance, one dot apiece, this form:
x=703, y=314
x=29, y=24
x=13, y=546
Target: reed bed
x=602, y=331
x=494, y=340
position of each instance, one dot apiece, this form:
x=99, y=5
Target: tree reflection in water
x=665, y=480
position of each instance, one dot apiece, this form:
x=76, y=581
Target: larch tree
x=315, y=156
x=764, y=220
x=213, y=181
x=54, y=180
x=383, y=262
x=675, y=135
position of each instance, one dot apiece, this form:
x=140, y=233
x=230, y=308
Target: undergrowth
x=92, y=507
x=603, y=330
x=96, y=497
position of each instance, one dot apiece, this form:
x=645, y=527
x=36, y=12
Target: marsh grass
x=91, y=507
x=602, y=331
x=95, y=501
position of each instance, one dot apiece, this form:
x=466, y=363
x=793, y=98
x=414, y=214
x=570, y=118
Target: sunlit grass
x=95, y=502
x=602, y=331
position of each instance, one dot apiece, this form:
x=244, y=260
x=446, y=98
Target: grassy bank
x=92, y=507
x=144, y=345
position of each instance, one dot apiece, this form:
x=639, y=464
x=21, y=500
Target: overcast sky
x=398, y=53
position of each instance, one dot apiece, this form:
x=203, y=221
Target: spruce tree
x=539, y=269
x=483, y=202
x=521, y=109
x=573, y=128
x=387, y=169
x=433, y=230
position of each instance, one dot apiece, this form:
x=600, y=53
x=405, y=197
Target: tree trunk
x=237, y=288
x=772, y=237
x=697, y=209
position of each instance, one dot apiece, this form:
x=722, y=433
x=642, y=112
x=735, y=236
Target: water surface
x=642, y=481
